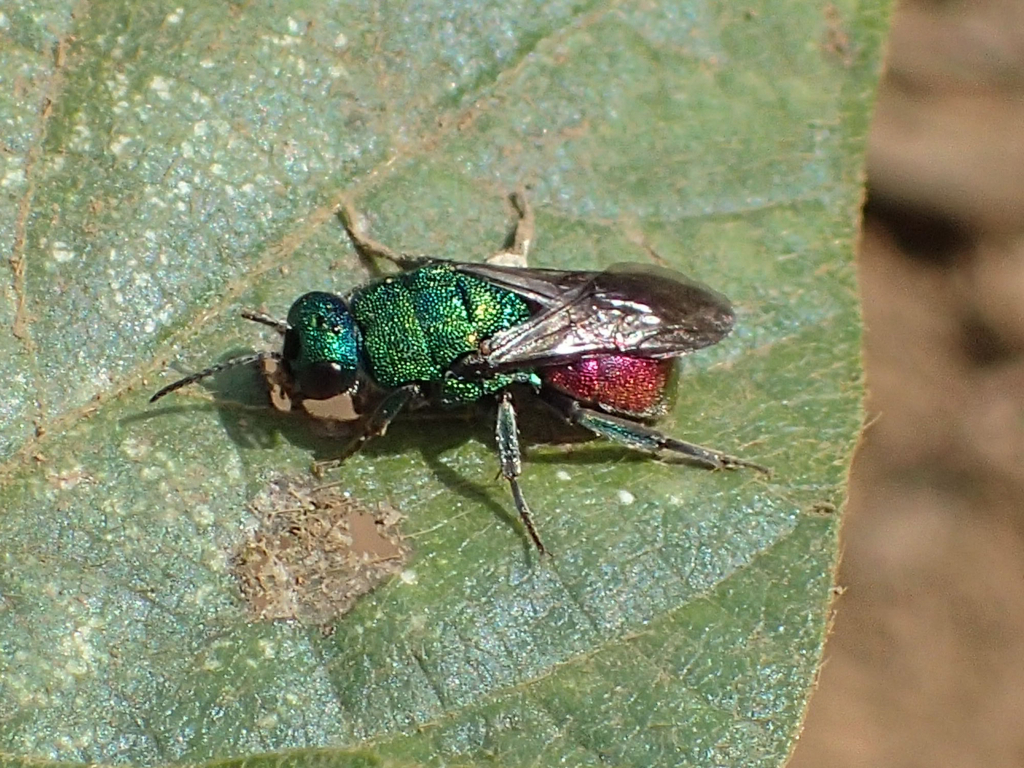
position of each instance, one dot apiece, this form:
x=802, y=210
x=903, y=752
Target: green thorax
x=416, y=324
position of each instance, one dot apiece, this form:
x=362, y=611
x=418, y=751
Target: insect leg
x=507, y=434
x=517, y=244
x=523, y=235
x=643, y=438
x=374, y=426
x=370, y=248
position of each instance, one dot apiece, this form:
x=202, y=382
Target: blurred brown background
x=926, y=663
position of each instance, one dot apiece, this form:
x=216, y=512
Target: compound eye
x=323, y=380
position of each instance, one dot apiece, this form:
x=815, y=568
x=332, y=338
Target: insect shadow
x=241, y=397
x=245, y=408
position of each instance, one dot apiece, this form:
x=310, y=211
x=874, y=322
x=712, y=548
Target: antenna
x=280, y=326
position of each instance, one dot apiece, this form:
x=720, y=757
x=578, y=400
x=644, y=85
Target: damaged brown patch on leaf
x=314, y=552
x=836, y=42
x=339, y=408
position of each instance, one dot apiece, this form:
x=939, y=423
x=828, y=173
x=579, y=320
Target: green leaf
x=163, y=167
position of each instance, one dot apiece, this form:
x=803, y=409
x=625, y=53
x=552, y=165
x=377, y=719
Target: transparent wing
x=637, y=309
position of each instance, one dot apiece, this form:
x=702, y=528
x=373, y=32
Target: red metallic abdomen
x=635, y=386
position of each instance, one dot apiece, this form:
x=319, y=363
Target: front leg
x=374, y=426
x=372, y=249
